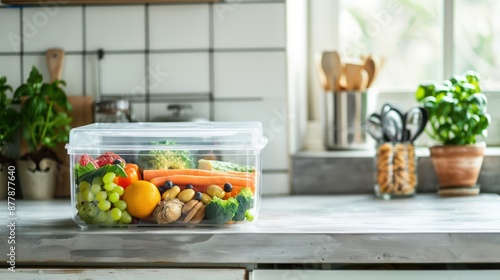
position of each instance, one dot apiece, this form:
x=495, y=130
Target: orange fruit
x=141, y=197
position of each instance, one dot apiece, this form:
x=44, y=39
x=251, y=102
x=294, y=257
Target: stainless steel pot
x=112, y=110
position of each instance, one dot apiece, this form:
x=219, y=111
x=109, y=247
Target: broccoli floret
x=165, y=159
x=245, y=203
x=219, y=211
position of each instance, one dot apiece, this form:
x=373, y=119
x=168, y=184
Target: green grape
x=108, y=177
x=93, y=211
x=95, y=188
x=116, y=214
x=126, y=218
x=120, y=204
x=87, y=196
x=83, y=186
x=104, y=205
x=82, y=212
x=102, y=216
x=110, y=219
x=113, y=197
x=100, y=196
x=79, y=198
x=109, y=186
x=87, y=219
x=97, y=181
x=119, y=190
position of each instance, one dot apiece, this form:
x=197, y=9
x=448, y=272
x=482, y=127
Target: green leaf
x=445, y=106
x=35, y=77
x=421, y=93
x=101, y=171
x=80, y=169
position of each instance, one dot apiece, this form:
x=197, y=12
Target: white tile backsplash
x=243, y=25
x=52, y=27
x=233, y=50
x=274, y=120
x=91, y=75
x=10, y=67
x=179, y=27
x=115, y=28
x=122, y=74
x=179, y=73
x=10, y=30
x=247, y=74
x=71, y=74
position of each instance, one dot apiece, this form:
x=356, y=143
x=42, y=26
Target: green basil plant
x=9, y=118
x=457, y=109
x=44, y=112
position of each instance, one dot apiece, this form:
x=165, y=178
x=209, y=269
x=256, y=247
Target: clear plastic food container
x=166, y=174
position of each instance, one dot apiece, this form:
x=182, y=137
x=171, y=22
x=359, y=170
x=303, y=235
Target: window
x=405, y=33
x=477, y=39
x=412, y=36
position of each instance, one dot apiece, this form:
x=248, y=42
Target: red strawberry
x=108, y=158
x=86, y=159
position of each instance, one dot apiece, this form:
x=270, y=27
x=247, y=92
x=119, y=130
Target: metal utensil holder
x=345, y=116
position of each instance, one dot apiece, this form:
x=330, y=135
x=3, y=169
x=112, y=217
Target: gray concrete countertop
x=292, y=229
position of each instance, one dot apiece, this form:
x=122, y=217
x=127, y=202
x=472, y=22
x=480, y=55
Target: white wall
x=228, y=60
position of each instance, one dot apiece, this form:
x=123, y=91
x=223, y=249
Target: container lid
x=178, y=135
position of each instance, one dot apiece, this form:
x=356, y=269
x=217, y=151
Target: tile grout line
x=21, y=47
x=164, y=51
x=211, y=67
x=84, y=47
x=146, y=63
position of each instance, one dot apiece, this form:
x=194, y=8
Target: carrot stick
x=150, y=174
x=203, y=180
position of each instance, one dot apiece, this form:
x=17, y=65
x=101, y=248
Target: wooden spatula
x=55, y=61
x=353, y=76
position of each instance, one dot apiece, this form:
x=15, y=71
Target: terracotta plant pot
x=457, y=168
x=37, y=184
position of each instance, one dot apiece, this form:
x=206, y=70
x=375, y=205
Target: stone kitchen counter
x=290, y=229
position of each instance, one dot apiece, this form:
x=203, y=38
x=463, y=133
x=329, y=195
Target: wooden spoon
x=363, y=80
x=353, y=76
x=55, y=61
x=325, y=83
x=370, y=68
x=328, y=64
x=339, y=71
x=332, y=67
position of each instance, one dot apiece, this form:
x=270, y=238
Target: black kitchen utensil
x=374, y=127
x=393, y=125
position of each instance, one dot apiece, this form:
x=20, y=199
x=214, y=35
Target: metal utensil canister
x=345, y=119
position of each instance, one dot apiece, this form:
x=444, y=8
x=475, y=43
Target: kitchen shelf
x=78, y=2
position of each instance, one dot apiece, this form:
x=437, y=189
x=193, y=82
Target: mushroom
x=168, y=211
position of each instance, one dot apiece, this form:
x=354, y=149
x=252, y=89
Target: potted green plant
x=45, y=123
x=457, y=117
x=9, y=125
